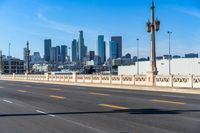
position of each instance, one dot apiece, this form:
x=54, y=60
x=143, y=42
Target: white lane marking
x=173, y=96
x=7, y=101
x=114, y=91
x=52, y=115
x=42, y=112
x=81, y=124
x=1, y=87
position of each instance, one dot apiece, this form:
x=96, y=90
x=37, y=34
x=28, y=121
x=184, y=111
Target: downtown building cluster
x=79, y=51
x=76, y=57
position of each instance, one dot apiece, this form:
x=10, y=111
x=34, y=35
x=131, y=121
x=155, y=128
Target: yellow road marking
x=112, y=106
x=10, y=84
x=55, y=89
x=23, y=91
x=170, y=102
x=57, y=97
x=27, y=86
x=99, y=94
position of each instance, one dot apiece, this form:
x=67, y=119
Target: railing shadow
x=126, y=111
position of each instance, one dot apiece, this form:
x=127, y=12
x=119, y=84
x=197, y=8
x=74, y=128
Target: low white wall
x=139, y=80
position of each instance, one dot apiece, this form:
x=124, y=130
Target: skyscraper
x=101, y=49
x=58, y=49
x=47, y=47
x=91, y=55
x=113, y=50
x=74, y=51
x=58, y=54
x=81, y=47
x=63, y=53
x=53, y=55
x=118, y=40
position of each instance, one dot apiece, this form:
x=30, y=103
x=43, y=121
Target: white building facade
x=180, y=66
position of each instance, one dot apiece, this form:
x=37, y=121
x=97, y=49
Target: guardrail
x=131, y=80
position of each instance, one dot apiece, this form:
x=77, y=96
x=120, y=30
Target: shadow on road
x=128, y=111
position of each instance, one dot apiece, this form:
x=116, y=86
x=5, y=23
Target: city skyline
x=124, y=21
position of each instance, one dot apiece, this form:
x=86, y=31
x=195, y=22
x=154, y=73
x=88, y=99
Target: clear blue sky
x=60, y=20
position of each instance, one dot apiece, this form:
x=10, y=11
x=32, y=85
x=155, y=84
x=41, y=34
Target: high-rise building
x=81, y=47
x=36, y=58
x=47, y=47
x=91, y=55
x=118, y=40
x=113, y=50
x=63, y=53
x=74, y=51
x=53, y=55
x=101, y=49
x=85, y=51
x=58, y=51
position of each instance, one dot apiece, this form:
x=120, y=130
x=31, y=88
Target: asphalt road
x=44, y=108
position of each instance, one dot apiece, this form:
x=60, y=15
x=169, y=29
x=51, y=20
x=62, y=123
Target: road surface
x=46, y=108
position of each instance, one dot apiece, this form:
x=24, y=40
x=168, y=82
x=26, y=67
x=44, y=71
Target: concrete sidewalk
x=136, y=88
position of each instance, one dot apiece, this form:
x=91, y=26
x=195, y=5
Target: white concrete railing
x=137, y=80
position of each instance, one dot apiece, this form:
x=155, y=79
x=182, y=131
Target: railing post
x=13, y=76
x=83, y=78
x=172, y=81
x=191, y=79
x=110, y=78
x=26, y=76
x=74, y=77
x=47, y=76
x=68, y=78
x=92, y=79
x=134, y=80
x=121, y=79
x=101, y=79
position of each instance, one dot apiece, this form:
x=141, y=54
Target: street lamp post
x=169, y=33
x=69, y=54
x=1, y=61
x=138, y=71
x=152, y=27
x=27, y=58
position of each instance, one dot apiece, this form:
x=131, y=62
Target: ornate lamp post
x=27, y=58
x=152, y=27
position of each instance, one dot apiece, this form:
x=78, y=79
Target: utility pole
x=9, y=59
x=69, y=54
x=169, y=33
x=1, y=61
x=138, y=71
x=9, y=49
